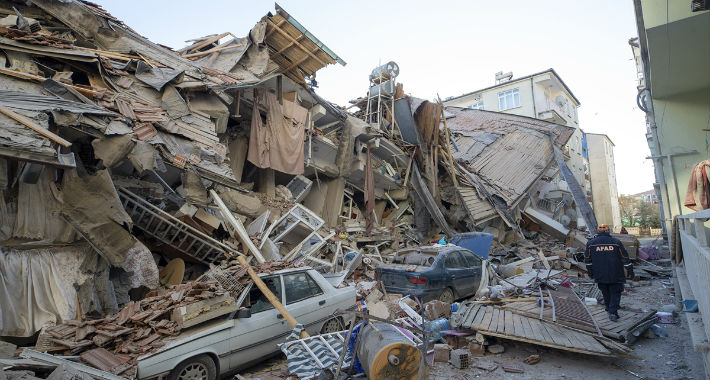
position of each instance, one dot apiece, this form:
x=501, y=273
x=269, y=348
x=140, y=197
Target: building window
x=509, y=99
x=476, y=106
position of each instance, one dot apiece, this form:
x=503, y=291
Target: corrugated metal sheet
x=512, y=163
x=500, y=123
x=478, y=208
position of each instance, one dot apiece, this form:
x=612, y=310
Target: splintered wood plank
x=578, y=339
x=479, y=318
x=559, y=335
x=529, y=333
x=486, y=319
x=538, y=330
x=509, y=327
x=494, y=320
x=471, y=316
x=545, y=334
x=518, y=325
x=501, y=321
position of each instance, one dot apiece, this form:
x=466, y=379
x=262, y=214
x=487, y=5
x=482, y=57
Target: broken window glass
x=259, y=302
x=300, y=286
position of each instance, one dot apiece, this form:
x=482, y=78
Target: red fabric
x=698, y=195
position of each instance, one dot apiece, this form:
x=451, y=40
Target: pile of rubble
x=217, y=161
x=140, y=327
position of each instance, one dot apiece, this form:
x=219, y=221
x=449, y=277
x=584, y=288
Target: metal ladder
x=169, y=230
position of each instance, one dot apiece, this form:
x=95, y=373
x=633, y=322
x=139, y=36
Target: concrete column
x=237, y=155
x=267, y=182
x=334, y=201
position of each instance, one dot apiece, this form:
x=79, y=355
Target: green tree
x=627, y=206
x=648, y=215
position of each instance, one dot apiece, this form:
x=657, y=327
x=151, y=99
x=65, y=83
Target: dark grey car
x=444, y=272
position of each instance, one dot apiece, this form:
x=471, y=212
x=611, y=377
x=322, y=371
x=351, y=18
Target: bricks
x=139, y=328
x=459, y=358
x=441, y=353
x=456, y=342
x=476, y=349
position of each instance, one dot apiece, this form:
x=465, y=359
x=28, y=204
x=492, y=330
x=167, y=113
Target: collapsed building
x=112, y=145
x=126, y=166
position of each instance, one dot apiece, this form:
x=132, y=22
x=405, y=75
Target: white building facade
x=541, y=96
x=604, y=192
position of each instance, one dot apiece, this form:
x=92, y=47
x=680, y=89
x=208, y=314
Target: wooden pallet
x=620, y=329
x=498, y=322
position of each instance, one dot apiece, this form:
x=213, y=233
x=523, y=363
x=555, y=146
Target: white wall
x=603, y=177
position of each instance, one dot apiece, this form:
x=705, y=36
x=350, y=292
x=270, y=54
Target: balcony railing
x=696, y=265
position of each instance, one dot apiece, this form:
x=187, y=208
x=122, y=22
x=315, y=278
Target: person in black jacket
x=609, y=265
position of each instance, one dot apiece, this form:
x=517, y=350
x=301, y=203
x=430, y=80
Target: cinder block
x=441, y=353
x=459, y=358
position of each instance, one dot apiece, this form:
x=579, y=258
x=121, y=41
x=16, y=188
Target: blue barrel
x=476, y=242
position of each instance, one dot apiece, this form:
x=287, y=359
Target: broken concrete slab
x=241, y=203
x=111, y=150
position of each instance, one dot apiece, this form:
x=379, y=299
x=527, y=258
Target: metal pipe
x=643, y=43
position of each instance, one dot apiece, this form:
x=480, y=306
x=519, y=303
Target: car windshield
x=258, y=300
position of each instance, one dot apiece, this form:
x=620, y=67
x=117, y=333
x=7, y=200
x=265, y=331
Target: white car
x=225, y=345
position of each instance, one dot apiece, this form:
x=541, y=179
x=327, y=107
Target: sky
x=449, y=48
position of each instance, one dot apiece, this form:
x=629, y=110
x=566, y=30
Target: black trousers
x=612, y=296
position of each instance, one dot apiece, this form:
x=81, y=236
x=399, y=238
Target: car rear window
x=300, y=286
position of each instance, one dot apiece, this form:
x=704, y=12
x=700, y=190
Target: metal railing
x=696, y=261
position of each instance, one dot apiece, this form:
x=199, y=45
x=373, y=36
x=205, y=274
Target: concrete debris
x=496, y=349
x=198, y=181
x=532, y=359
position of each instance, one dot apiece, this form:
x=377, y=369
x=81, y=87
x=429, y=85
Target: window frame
x=269, y=306
x=503, y=99
x=475, y=257
x=309, y=279
x=476, y=106
x=458, y=257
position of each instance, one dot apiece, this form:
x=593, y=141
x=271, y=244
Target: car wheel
x=198, y=368
x=332, y=325
x=447, y=296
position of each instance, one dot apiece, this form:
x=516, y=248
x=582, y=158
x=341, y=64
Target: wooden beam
x=295, y=42
x=283, y=49
x=21, y=75
x=214, y=50
x=237, y=100
x=269, y=295
x=295, y=64
x=238, y=227
x=33, y=126
x=448, y=143
x=269, y=32
x=544, y=260
x=205, y=42
x=280, y=88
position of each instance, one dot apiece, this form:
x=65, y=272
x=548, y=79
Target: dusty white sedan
x=225, y=345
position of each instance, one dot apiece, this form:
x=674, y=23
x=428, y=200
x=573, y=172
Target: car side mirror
x=244, y=313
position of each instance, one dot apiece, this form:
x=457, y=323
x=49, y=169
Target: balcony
x=693, y=274
x=554, y=114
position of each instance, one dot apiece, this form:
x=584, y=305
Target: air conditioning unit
x=699, y=5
